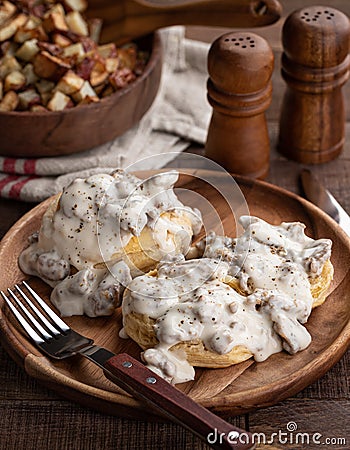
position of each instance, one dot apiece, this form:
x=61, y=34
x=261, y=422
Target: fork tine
x=47, y=324
x=23, y=322
x=54, y=317
x=30, y=316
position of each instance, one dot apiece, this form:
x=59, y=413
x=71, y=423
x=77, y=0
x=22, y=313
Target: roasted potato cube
x=61, y=41
x=59, y=101
x=1, y=89
x=76, y=23
x=107, y=50
x=38, y=108
x=95, y=27
x=55, y=22
x=9, y=102
x=56, y=8
x=32, y=23
x=97, y=78
x=7, y=65
x=70, y=83
x=44, y=86
x=85, y=91
x=49, y=66
x=88, y=100
x=98, y=74
x=28, y=72
x=14, y=81
x=10, y=27
x=76, y=50
x=9, y=48
x=7, y=10
x=127, y=57
x=75, y=5
x=24, y=34
x=28, y=98
x=28, y=50
x=112, y=64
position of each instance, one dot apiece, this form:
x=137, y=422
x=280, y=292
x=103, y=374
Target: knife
x=59, y=341
x=321, y=197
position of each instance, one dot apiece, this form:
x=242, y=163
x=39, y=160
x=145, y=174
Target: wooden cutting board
x=234, y=390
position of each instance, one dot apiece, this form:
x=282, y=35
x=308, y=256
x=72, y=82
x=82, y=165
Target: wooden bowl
x=37, y=134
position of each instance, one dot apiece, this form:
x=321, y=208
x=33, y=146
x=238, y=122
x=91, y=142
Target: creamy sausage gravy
x=189, y=300
x=96, y=217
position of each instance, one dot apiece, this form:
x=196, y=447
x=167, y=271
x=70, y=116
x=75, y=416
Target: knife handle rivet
x=151, y=380
x=127, y=364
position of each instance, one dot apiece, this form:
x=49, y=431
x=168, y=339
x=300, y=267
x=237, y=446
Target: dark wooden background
x=33, y=417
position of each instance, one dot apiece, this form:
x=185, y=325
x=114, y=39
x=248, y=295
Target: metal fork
x=57, y=340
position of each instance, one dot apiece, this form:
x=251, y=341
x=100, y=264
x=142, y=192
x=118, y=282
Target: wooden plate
x=234, y=390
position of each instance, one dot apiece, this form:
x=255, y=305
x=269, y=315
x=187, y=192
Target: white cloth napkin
x=180, y=114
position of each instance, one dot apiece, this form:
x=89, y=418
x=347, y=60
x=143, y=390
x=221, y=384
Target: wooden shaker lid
x=316, y=36
x=240, y=63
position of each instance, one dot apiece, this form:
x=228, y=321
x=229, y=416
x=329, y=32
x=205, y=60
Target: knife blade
x=321, y=197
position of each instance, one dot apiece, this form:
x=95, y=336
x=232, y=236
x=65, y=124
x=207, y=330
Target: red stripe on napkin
x=29, y=166
x=9, y=165
x=15, y=190
x=7, y=180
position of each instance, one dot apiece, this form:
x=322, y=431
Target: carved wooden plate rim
x=235, y=390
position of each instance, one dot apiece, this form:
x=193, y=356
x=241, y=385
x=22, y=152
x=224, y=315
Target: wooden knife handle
x=152, y=390
x=126, y=19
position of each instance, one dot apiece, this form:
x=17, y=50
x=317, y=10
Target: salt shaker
x=240, y=66
x=315, y=65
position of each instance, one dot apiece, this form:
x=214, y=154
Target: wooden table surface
x=33, y=417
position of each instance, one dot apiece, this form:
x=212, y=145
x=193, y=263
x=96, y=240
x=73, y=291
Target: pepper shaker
x=315, y=65
x=240, y=66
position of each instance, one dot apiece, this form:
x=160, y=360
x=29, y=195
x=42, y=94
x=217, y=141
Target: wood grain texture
x=126, y=19
x=87, y=126
x=58, y=424
x=312, y=426
x=258, y=385
x=315, y=66
x=273, y=32
x=34, y=416
x=239, y=101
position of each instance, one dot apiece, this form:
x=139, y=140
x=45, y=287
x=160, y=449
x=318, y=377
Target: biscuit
x=143, y=252
x=140, y=327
